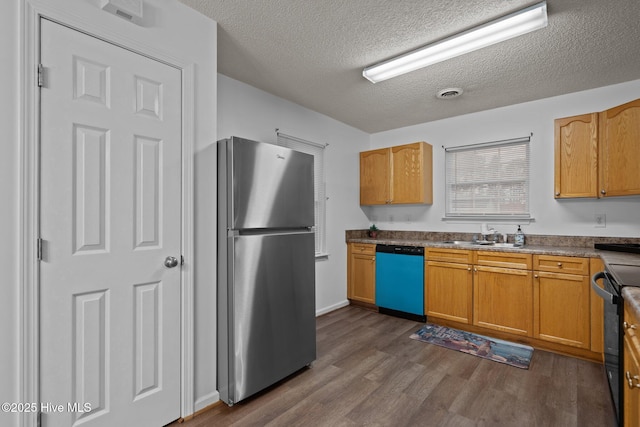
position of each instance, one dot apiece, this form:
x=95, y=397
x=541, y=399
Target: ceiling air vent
x=448, y=93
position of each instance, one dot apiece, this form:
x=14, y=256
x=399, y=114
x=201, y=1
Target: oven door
x=610, y=293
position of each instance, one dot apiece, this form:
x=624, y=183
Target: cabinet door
x=503, y=300
x=631, y=394
x=619, y=130
x=561, y=308
x=362, y=278
x=576, y=156
x=411, y=174
x=375, y=172
x=448, y=291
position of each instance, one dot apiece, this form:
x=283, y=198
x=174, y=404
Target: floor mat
x=513, y=354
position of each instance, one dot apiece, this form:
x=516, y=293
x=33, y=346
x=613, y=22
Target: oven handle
x=608, y=297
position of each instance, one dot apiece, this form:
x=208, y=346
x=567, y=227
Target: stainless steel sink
x=458, y=242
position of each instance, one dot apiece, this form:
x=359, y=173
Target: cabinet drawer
x=449, y=255
x=504, y=259
x=631, y=327
x=561, y=264
x=363, y=248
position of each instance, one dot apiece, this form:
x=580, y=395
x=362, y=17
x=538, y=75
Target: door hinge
x=181, y=260
x=39, y=249
x=40, y=75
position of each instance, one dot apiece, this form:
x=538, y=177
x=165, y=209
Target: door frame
x=29, y=349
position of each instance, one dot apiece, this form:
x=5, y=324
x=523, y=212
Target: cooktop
x=625, y=275
x=633, y=248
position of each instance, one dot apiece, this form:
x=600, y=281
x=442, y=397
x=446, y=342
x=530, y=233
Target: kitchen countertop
x=631, y=296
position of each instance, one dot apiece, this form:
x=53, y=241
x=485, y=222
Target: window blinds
x=317, y=150
x=488, y=180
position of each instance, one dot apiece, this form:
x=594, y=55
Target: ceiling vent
x=448, y=93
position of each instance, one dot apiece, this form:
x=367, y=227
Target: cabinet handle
x=603, y=191
x=559, y=265
x=469, y=269
x=373, y=258
x=535, y=276
x=628, y=326
x=557, y=194
x=630, y=380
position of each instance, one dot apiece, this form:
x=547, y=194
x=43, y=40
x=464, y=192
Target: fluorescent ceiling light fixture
x=515, y=24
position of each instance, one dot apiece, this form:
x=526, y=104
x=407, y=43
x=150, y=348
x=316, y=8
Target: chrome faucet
x=489, y=231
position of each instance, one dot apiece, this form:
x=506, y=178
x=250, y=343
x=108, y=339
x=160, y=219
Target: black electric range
x=616, y=276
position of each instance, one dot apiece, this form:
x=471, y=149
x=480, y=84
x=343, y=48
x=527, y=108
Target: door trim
x=29, y=350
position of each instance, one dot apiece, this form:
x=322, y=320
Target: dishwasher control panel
x=400, y=250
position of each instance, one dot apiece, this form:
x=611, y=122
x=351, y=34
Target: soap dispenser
x=519, y=238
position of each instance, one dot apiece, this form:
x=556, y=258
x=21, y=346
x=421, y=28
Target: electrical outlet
x=600, y=220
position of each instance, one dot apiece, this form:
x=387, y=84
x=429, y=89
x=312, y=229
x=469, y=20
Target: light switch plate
x=600, y=221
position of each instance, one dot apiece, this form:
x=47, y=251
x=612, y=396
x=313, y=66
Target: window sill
x=490, y=218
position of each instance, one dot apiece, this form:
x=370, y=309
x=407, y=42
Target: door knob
x=170, y=262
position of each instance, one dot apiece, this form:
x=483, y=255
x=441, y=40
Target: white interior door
x=110, y=216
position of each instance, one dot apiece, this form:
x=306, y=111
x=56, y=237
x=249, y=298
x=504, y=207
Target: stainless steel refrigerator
x=266, y=266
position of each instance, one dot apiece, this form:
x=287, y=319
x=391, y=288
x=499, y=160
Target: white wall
x=561, y=217
x=247, y=112
x=169, y=27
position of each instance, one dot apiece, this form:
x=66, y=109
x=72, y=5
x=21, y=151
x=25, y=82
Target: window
x=489, y=180
x=317, y=150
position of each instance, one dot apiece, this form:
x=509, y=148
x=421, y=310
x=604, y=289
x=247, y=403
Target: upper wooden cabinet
x=397, y=175
x=375, y=170
x=597, y=154
x=620, y=150
x=576, y=156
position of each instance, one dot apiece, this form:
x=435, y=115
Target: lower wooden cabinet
x=503, y=299
x=562, y=300
x=631, y=394
x=562, y=309
x=545, y=300
x=361, y=273
x=448, y=291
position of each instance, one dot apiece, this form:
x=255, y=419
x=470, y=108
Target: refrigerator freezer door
x=271, y=312
x=272, y=186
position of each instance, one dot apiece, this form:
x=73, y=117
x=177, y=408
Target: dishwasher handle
x=607, y=296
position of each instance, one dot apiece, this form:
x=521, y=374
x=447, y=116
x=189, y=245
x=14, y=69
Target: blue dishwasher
x=400, y=281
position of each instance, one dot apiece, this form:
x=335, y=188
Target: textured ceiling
x=312, y=52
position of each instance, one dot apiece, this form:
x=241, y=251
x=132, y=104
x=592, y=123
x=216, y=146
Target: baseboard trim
x=331, y=308
x=205, y=403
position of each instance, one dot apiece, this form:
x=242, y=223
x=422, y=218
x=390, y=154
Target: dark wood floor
x=369, y=373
